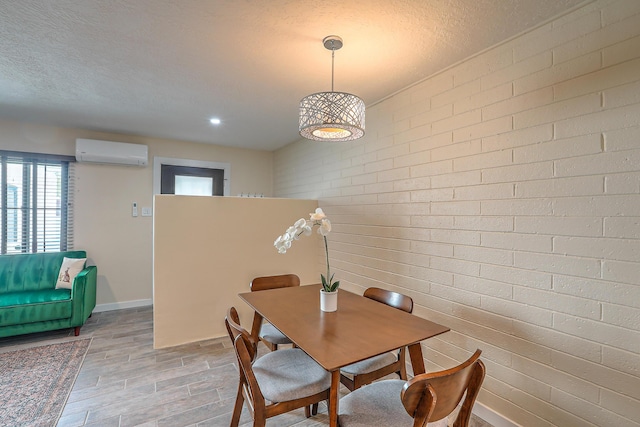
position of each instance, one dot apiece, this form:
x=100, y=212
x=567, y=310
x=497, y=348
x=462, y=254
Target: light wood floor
x=125, y=382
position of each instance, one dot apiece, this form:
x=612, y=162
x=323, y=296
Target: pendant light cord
x=333, y=53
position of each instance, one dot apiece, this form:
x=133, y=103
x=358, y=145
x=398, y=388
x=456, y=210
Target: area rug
x=35, y=382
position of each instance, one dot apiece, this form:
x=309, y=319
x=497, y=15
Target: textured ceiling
x=162, y=68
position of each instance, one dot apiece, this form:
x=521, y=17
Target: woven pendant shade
x=331, y=116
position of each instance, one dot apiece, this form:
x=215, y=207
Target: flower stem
x=326, y=251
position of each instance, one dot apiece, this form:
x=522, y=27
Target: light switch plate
x=146, y=211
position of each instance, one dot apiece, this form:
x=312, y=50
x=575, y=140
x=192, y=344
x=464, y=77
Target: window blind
x=36, y=212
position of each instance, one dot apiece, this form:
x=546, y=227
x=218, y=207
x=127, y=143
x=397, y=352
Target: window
x=35, y=202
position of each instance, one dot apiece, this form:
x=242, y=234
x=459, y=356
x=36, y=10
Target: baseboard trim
x=492, y=417
x=122, y=305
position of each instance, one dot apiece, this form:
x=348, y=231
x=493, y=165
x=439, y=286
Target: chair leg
x=76, y=330
x=314, y=410
x=237, y=408
x=307, y=411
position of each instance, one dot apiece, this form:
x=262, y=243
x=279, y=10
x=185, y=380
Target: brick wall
x=503, y=195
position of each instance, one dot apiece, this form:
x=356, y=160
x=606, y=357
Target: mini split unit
x=109, y=152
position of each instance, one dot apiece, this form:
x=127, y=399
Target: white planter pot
x=328, y=300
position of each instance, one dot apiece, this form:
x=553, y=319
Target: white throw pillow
x=68, y=271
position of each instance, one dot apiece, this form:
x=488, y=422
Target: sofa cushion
x=58, y=306
x=31, y=272
x=34, y=297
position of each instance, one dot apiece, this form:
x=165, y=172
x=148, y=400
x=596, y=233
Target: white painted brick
x=622, y=405
x=519, y=380
x=484, y=223
x=431, y=142
x=460, y=237
x=558, y=149
x=432, y=168
x=484, y=286
x=598, y=122
x=456, y=122
x=517, y=70
x=621, y=52
x=455, y=208
x=456, y=179
x=460, y=296
x=452, y=151
x=432, y=221
x=485, y=191
x=622, y=95
x=559, y=226
x=364, y=159
x=484, y=98
x=426, y=89
x=432, y=115
x=519, y=102
x=518, y=173
x=432, y=195
x=368, y=178
x=558, y=264
x=556, y=379
x=596, y=372
x=481, y=65
x=355, y=170
x=581, y=307
x=574, y=107
x=462, y=91
x=517, y=311
x=394, y=174
x=517, y=242
x=622, y=183
x=518, y=138
x=392, y=152
x=432, y=249
x=599, y=290
x=516, y=276
x=626, y=317
x=625, y=272
x=623, y=227
x=412, y=184
x=560, y=342
x=455, y=266
x=597, y=206
x=601, y=248
x=408, y=111
x=412, y=159
x=380, y=165
x=592, y=83
x=622, y=139
x=620, y=360
x=597, y=331
x=619, y=11
x=412, y=134
x=561, y=187
x=486, y=160
x=378, y=187
x=516, y=207
x=602, y=163
x=558, y=35
x=394, y=197
x=587, y=410
x=484, y=255
x=353, y=190
x=486, y=128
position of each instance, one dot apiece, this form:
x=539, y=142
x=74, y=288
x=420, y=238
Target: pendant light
x=332, y=116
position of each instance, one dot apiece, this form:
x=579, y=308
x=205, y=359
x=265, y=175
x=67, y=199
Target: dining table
x=360, y=328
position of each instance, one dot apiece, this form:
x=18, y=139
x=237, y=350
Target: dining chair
x=276, y=383
x=427, y=399
x=269, y=334
x=358, y=374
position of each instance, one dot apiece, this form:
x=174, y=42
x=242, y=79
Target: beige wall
x=503, y=195
x=120, y=245
x=208, y=249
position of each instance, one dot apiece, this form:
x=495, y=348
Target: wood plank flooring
x=125, y=382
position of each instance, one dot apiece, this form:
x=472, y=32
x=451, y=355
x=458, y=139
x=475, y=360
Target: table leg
x=333, y=398
x=417, y=361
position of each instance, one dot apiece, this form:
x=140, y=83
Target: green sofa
x=29, y=300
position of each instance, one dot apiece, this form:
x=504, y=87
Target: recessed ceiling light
x=215, y=121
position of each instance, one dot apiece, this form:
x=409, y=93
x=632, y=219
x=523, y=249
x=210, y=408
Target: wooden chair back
x=274, y=282
x=232, y=322
x=433, y=396
x=393, y=299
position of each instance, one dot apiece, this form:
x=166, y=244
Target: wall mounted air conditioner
x=118, y=153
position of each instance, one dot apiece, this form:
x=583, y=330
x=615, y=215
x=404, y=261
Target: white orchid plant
x=305, y=226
